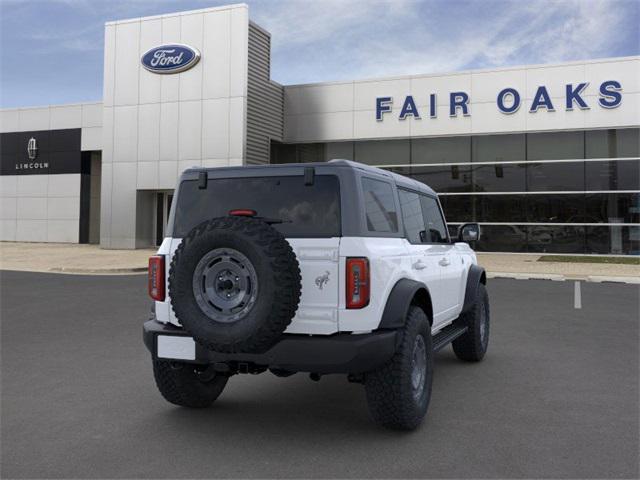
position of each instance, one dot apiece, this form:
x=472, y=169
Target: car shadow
x=285, y=406
x=279, y=406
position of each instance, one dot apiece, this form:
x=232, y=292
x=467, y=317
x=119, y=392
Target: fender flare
x=475, y=277
x=400, y=299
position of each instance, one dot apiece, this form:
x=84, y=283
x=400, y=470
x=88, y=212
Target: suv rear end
x=304, y=204
x=316, y=208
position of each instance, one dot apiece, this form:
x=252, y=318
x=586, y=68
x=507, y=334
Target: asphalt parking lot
x=557, y=396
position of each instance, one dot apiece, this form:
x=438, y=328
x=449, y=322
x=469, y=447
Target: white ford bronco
x=323, y=268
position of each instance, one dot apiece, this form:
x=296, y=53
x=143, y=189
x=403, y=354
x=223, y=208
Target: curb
x=600, y=279
x=527, y=276
x=562, y=278
x=97, y=271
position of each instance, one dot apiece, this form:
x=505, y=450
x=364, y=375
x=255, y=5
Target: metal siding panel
x=265, y=101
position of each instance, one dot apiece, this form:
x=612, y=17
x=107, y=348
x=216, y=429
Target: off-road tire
x=279, y=284
x=472, y=345
x=389, y=390
x=179, y=384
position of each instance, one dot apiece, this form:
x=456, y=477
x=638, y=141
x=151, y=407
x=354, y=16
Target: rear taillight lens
x=358, y=282
x=156, y=277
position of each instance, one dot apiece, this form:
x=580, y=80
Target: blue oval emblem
x=171, y=58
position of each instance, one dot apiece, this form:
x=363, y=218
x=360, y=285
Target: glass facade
x=556, y=192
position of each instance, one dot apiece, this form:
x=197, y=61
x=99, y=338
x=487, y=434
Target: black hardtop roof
x=400, y=180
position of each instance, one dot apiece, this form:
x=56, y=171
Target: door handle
x=444, y=261
x=419, y=265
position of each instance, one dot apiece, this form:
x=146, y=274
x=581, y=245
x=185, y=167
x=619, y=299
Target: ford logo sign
x=173, y=58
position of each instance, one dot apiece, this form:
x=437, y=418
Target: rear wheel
x=473, y=345
x=398, y=394
x=185, y=385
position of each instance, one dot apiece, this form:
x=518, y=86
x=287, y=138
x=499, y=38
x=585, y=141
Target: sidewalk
x=91, y=259
x=71, y=258
x=525, y=266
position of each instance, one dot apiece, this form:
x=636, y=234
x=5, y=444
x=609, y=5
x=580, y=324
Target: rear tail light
x=358, y=282
x=156, y=277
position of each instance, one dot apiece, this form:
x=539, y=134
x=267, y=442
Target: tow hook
x=315, y=376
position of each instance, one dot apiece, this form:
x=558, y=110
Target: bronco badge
x=322, y=280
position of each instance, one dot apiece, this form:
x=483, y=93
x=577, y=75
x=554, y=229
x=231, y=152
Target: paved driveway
x=557, y=396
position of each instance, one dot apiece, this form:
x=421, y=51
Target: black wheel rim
x=225, y=285
x=418, y=367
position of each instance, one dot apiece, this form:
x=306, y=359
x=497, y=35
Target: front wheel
x=182, y=384
x=398, y=393
x=472, y=345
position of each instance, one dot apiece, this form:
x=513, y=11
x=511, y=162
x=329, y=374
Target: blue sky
x=51, y=50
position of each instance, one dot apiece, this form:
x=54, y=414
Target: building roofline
x=467, y=72
x=254, y=24
x=179, y=14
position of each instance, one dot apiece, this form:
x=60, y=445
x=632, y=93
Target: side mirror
x=469, y=232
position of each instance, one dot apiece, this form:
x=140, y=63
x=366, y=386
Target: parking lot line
x=577, y=295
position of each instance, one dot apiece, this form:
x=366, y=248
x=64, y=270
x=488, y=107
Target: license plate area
x=175, y=347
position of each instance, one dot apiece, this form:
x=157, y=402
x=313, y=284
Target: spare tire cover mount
x=225, y=285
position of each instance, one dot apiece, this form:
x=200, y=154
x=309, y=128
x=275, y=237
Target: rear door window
x=436, y=230
x=380, y=207
x=412, y=217
x=305, y=210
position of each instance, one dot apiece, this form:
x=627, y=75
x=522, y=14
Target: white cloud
x=556, y=31
x=295, y=22
x=79, y=40
x=333, y=39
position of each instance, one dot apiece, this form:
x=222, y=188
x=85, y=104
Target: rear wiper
x=246, y=212
x=272, y=221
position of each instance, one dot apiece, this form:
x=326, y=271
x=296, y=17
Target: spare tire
x=235, y=284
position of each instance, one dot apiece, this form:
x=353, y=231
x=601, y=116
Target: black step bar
x=447, y=335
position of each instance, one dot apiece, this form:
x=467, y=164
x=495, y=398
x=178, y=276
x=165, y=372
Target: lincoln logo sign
x=508, y=101
x=32, y=154
x=32, y=149
x=172, y=58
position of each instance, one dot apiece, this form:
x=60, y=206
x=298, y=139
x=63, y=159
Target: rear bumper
x=339, y=353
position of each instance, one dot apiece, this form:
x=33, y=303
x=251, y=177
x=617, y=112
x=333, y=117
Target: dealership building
x=545, y=157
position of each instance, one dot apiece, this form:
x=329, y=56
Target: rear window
x=306, y=210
